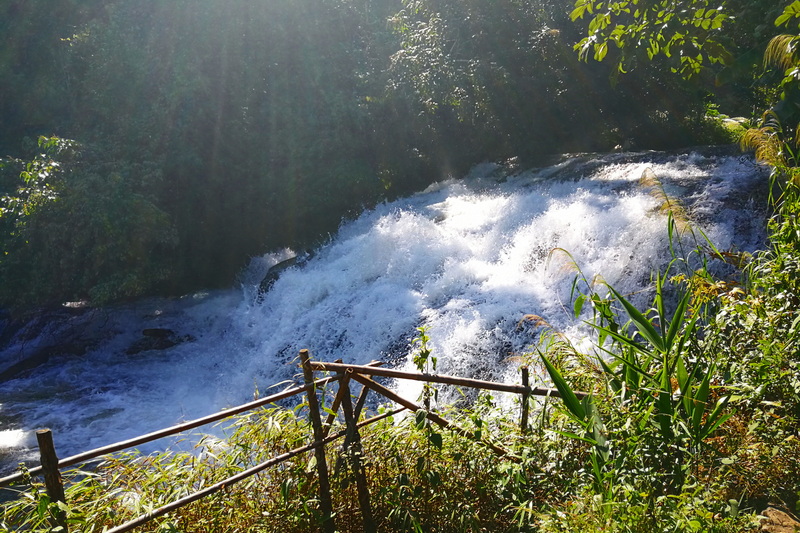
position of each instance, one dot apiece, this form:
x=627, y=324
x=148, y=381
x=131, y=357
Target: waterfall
x=466, y=258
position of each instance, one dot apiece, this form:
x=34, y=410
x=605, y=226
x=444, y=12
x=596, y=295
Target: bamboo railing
x=50, y=466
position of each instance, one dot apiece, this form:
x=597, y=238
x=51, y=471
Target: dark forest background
x=153, y=146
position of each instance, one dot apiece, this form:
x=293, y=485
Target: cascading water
x=468, y=259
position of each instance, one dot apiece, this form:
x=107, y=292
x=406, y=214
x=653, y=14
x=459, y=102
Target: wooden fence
x=51, y=466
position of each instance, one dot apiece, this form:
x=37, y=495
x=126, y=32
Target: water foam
x=468, y=259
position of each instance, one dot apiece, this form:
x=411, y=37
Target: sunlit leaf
x=567, y=394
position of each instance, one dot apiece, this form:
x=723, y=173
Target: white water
x=466, y=258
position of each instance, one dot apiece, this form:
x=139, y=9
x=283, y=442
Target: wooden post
x=326, y=427
x=526, y=398
x=362, y=400
x=354, y=451
x=52, y=476
x=325, y=504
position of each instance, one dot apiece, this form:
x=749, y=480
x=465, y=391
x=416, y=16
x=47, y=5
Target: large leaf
x=715, y=418
x=642, y=323
x=791, y=11
x=700, y=401
x=568, y=396
x=634, y=371
x=677, y=321
x=624, y=340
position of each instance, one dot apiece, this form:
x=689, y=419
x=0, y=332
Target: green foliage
x=415, y=485
x=425, y=361
x=423, y=357
x=656, y=402
x=696, y=408
x=687, y=33
x=72, y=229
x=243, y=126
x=479, y=73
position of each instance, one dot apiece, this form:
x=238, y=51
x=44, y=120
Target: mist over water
x=466, y=258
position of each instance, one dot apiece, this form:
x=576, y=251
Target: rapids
x=467, y=258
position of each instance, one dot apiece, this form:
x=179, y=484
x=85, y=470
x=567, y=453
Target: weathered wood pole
x=353, y=450
x=526, y=398
x=325, y=503
x=440, y=378
x=52, y=476
x=337, y=401
x=326, y=427
x=362, y=400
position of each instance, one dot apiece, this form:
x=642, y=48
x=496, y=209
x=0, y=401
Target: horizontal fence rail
x=440, y=378
x=84, y=457
x=51, y=467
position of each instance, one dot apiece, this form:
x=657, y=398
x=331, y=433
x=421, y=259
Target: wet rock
x=157, y=339
x=33, y=341
x=69, y=331
x=275, y=271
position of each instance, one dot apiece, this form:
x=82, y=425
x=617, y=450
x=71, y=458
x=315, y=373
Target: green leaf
x=613, y=381
x=578, y=12
x=44, y=503
x=575, y=436
x=791, y=11
x=641, y=322
x=717, y=22
x=622, y=339
x=600, y=51
x=567, y=394
x=677, y=321
x=715, y=418
x=577, y=306
x=682, y=375
x=420, y=418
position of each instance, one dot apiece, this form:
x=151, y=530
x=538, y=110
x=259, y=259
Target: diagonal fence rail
x=51, y=466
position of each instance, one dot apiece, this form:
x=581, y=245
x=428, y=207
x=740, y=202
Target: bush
x=74, y=229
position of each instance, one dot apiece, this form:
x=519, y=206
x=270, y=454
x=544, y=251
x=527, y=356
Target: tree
x=74, y=229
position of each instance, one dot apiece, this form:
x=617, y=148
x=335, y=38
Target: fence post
x=353, y=450
x=325, y=504
x=326, y=426
x=526, y=398
x=52, y=476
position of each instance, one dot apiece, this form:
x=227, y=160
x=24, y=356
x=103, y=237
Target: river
x=467, y=258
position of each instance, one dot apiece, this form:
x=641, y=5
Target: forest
x=153, y=147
